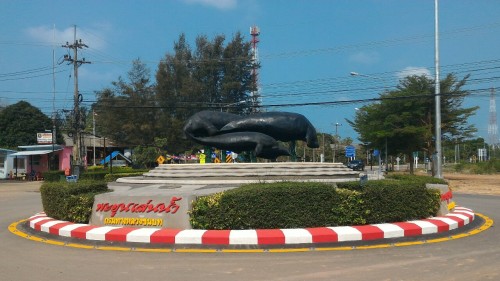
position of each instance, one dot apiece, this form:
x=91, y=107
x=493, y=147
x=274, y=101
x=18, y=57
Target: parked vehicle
x=356, y=165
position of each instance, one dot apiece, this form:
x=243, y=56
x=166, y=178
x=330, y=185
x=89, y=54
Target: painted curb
x=254, y=237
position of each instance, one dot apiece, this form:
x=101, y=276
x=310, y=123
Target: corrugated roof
x=31, y=152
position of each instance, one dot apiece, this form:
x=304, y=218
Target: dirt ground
x=474, y=184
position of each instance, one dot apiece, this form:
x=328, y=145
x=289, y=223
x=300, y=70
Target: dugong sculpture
x=263, y=145
x=207, y=123
x=283, y=126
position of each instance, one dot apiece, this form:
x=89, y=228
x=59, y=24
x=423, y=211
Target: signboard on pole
x=350, y=151
x=44, y=138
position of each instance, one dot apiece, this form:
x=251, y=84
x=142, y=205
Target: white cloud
x=413, y=70
x=365, y=57
x=49, y=35
x=219, y=4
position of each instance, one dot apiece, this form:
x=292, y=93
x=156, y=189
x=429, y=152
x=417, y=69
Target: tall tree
x=214, y=77
x=404, y=119
x=19, y=124
x=126, y=113
x=237, y=82
x=177, y=94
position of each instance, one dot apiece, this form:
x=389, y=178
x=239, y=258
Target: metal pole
x=76, y=138
x=323, y=158
x=437, y=97
x=386, y=162
x=93, y=132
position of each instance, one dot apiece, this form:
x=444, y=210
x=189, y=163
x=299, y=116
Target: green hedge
x=393, y=201
x=276, y=205
x=399, y=197
x=98, y=174
x=415, y=178
x=70, y=201
x=53, y=175
x=298, y=205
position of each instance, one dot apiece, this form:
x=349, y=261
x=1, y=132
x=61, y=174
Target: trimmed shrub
x=97, y=175
x=392, y=201
x=415, y=178
x=275, y=205
x=70, y=201
x=52, y=175
x=298, y=205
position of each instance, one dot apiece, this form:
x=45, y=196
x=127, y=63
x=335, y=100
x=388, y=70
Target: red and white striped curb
x=458, y=218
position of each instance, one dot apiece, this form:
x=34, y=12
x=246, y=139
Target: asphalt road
x=475, y=257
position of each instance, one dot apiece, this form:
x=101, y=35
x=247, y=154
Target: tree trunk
x=410, y=156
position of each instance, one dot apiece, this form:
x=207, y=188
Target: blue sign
x=350, y=151
x=376, y=152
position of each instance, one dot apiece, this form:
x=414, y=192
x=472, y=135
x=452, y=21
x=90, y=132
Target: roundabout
x=473, y=257
x=111, y=223
x=458, y=224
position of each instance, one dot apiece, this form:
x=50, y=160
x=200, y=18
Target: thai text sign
x=140, y=211
x=44, y=138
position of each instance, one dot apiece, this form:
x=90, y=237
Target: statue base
x=162, y=197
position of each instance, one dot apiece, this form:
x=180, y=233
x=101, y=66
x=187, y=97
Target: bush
x=118, y=172
x=275, y=205
x=97, y=175
x=52, y=175
x=415, y=178
x=392, y=201
x=70, y=201
x=298, y=205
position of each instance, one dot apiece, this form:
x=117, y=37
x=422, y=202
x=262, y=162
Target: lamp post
x=353, y=73
x=437, y=99
x=336, y=140
x=232, y=104
x=93, y=133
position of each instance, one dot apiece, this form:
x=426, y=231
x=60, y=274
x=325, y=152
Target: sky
x=307, y=49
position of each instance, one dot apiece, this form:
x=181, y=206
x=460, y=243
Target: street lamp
x=93, y=132
x=437, y=99
x=336, y=140
x=232, y=104
x=353, y=73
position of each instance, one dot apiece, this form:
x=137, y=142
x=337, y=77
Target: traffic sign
x=160, y=159
x=350, y=151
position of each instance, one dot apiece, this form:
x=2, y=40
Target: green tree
x=403, y=119
x=214, y=77
x=126, y=113
x=19, y=124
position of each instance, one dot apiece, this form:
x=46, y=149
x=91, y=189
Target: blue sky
x=307, y=49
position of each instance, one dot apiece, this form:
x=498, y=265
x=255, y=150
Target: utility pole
x=437, y=99
x=77, y=141
x=336, y=140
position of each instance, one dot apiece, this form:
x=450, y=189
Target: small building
x=10, y=167
x=32, y=160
